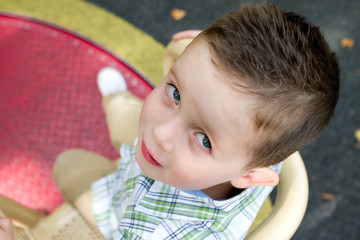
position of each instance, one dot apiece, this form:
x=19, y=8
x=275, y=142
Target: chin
x=141, y=162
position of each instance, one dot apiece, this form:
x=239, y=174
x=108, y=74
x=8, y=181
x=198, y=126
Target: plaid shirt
x=129, y=205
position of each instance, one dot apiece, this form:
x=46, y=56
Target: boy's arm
x=6, y=229
x=178, y=44
x=186, y=34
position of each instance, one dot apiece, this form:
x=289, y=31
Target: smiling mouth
x=147, y=155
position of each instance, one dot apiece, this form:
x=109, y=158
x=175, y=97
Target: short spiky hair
x=290, y=69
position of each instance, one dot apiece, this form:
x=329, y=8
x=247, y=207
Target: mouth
x=147, y=155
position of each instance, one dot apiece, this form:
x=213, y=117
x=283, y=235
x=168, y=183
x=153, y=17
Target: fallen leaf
x=328, y=196
x=177, y=14
x=314, y=177
x=347, y=43
x=357, y=134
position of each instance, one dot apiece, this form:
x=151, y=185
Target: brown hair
x=290, y=68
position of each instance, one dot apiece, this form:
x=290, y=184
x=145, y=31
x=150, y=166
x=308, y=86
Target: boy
x=251, y=89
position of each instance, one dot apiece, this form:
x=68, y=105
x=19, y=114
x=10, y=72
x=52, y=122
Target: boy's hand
x=186, y=34
x=6, y=229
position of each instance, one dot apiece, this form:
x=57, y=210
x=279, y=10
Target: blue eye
x=174, y=93
x=203, y=140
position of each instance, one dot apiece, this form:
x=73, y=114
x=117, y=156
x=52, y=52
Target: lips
x=147, y=155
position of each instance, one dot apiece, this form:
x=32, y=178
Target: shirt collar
x=167, y=202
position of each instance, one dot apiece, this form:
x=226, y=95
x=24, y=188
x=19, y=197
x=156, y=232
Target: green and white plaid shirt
x=129, y=205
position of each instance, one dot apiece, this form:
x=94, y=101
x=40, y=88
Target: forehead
x=207, y=92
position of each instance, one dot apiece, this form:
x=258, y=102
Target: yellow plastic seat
x=65, y=223
x=290, y=205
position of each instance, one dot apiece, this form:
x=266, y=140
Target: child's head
x=286, y=62
x=254, y=87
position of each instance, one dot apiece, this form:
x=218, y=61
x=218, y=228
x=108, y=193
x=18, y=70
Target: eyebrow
x=210, y=130
x=175, y=75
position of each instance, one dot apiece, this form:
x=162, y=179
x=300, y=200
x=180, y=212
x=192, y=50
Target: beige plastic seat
x=290, y=205
x=67, y=223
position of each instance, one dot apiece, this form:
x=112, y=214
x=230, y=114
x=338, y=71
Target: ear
x=257, y=177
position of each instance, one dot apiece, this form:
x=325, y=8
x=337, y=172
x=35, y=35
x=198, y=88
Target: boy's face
x=194, y=127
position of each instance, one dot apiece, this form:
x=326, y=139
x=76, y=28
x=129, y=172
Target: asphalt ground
x=332, y=160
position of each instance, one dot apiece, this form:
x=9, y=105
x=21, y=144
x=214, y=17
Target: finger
x=186, y=34
x=5, y=224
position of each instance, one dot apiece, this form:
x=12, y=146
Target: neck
x=221, y=191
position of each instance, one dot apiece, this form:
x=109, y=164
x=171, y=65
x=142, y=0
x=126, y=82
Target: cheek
x=190, y=176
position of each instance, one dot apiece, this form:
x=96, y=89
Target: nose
x=166, y=133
